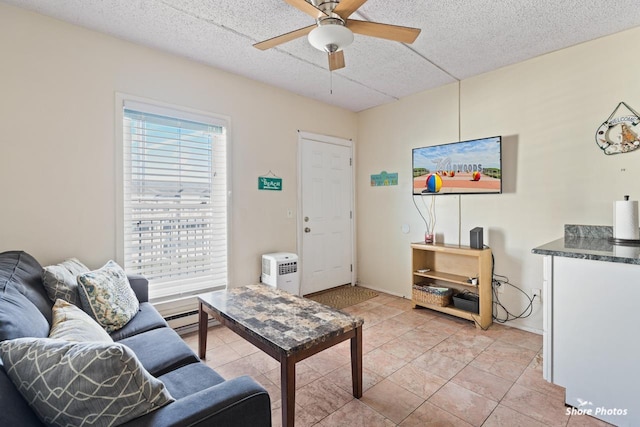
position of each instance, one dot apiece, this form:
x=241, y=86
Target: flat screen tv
x=465, y=167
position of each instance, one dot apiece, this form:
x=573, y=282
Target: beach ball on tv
x=434, y=183
x=476, y=176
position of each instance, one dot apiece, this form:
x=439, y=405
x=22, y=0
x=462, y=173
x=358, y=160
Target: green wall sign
x=269, y=183
x=384, y=179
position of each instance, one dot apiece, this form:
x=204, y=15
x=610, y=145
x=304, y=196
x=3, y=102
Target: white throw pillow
x=72, y=324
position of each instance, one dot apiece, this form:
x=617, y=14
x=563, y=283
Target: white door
x=326, y=214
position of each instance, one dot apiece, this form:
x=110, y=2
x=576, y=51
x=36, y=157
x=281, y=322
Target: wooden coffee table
x=286, y=327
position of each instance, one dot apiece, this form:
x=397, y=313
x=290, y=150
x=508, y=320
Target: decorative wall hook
x=270, y=173
x=619, y=133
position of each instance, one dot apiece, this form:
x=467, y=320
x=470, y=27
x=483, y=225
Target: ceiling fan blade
x=384, y=31
x=346, y=7
x=307, y=8
x=336, y=60
x=268, y=44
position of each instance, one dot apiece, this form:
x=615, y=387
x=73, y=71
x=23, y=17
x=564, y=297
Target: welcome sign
x=620, y=133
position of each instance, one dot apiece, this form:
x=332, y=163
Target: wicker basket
x=429, y=295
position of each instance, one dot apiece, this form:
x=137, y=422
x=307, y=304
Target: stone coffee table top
x=287, y=322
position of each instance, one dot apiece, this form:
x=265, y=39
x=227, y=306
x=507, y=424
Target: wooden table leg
x=203, y=321
x=288, y=390
x=356, y=363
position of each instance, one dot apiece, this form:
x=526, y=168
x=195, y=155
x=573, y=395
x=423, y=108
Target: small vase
x=429, y=237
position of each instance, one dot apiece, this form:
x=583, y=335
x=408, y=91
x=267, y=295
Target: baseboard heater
x=187, y=322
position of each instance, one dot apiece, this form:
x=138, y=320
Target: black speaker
x=476, y=238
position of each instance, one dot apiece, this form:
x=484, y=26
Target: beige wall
x=548, y=110
x=57, y=153
x=57, y=144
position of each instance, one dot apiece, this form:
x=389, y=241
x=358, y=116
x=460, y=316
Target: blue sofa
x=202, y=397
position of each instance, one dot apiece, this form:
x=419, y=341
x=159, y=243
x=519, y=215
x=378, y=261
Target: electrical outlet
x=289, y=213
x=536, y=295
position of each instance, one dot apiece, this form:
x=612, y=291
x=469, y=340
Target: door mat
x=343, y=296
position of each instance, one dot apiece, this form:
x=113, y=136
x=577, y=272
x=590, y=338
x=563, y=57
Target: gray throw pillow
x=19, y=317
x=90, y=383
x=60, y=280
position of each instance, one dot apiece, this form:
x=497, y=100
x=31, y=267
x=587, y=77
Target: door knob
x=307, y=229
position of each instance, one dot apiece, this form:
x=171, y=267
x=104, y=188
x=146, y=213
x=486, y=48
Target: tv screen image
x=465, y=167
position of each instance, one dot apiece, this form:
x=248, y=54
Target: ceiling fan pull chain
x=330, y=82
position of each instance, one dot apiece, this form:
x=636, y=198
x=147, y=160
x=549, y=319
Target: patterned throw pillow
x=107, y=296
x=72, y=324
x=60, y=280
x=97, y=384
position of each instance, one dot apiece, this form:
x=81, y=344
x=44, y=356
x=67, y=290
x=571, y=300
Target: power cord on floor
x=498, y=280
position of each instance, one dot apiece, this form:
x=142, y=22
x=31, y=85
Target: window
x=175, y=199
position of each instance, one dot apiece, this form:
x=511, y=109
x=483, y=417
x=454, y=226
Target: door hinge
x=350, y=161
x=350, y=214
x=351, y=267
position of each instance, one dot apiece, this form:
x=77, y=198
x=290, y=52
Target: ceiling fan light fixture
x=330, y=38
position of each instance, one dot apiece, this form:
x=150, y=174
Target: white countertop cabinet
x=591, y=340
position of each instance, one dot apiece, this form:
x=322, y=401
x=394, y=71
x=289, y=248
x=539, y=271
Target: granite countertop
x=284, y=321
x=590, y=242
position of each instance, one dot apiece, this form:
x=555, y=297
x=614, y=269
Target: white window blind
x=175, y=203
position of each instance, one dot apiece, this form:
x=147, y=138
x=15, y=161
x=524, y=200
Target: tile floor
x=420, y=368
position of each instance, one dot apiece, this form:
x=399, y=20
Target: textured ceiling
x=459, y=39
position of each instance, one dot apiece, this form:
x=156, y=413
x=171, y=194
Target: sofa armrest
x=15, y=410
x=236, y=402
x=140, y=286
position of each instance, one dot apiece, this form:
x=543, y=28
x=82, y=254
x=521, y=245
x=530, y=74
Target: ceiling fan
x=334, y=30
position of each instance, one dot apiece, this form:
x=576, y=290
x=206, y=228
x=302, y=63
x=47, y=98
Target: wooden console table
x=451, y=266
